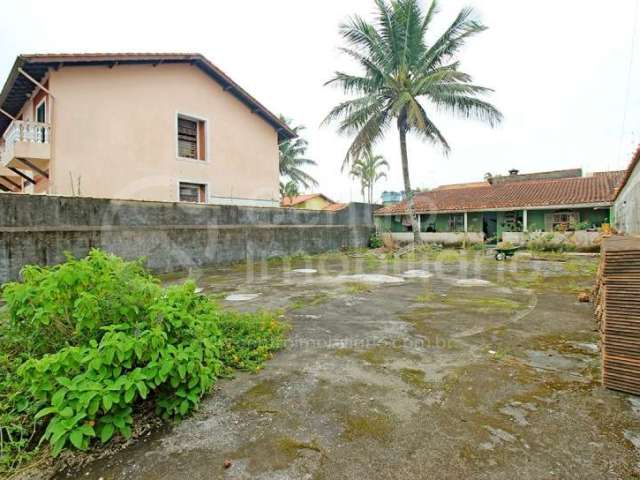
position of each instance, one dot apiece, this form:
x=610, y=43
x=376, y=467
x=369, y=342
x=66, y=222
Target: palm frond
x=423, y=126
x=453, y=38
x=467, y=106
x=363, y=36
x=368, y=135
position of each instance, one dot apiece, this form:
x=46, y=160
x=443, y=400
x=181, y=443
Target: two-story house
x=165, y=127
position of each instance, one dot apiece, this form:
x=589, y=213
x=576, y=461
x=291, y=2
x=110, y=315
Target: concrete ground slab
x=419, y=379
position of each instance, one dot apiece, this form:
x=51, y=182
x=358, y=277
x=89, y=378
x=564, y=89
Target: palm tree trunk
x=411, y=209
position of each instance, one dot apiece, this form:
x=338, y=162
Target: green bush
x=375, y=241
x=87, y=342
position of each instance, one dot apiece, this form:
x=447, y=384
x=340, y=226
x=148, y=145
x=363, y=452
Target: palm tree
x=368, y=169
x=289, y=190
x=405, y=78
x=293, y=160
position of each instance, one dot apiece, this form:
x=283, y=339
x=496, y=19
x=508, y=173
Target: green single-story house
x=557, y=201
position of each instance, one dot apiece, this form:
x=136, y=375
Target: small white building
x=626, y=209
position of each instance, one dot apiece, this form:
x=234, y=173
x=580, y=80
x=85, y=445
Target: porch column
x=465, y=222
x=525, y=226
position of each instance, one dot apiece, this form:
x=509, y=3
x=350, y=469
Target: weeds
x=86, y=342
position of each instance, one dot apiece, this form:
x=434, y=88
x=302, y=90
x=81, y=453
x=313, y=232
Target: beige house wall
x=316, y=203
x=115, y=136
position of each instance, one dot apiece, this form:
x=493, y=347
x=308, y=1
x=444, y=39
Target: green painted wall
x=535, y=220
x=388, y=224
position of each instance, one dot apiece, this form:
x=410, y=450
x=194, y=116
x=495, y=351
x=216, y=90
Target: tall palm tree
x=368, y=169
x=293, y=160
x=405, y=78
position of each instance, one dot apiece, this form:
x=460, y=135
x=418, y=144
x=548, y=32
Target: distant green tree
x=289, y=190
x=368, y=169
x=404, y=79
x=293, y=158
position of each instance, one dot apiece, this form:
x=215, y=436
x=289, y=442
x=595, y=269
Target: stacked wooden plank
x=617, y=302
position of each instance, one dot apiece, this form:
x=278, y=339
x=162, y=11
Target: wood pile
x=617, y=304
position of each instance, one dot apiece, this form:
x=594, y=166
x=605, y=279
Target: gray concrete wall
x=39, y=229
x=626, y=209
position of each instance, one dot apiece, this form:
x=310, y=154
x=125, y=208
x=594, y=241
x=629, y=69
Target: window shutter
x=187, y=138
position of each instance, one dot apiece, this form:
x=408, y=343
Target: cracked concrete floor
x=421, y=377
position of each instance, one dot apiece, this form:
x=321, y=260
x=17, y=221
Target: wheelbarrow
x=504, y=253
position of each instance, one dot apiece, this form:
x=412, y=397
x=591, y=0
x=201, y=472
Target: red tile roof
x=334, y=207
x=629, y=171
x=593, y=189
x=461, y=185
x=291, y=201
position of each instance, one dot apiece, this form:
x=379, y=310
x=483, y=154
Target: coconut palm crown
x=293, y=159
x=404, y=79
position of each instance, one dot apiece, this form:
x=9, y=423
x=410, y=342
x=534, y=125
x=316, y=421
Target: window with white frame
x=191, y=138
x=192, y=192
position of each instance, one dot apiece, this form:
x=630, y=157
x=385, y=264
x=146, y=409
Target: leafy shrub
x=375, y=241
x=96, y=338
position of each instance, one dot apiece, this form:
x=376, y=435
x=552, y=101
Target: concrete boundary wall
x=39, y=229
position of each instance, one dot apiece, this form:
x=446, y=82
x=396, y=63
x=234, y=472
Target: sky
x=565, y=74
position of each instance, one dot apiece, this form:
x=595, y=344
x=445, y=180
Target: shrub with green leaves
x=375, y=241
x=96, y=338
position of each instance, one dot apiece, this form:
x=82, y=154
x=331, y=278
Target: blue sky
x=560, y=71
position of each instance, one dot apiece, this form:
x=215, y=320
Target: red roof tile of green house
x=596, y=189
x=298, y=199
x=334, y=207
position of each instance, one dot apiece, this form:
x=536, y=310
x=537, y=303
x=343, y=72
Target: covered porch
x=494, y=225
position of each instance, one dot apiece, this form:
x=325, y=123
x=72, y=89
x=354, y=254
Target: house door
x=41, y=112
x=41, y=117
x=490, y=225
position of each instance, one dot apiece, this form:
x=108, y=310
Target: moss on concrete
x=303, y=301
x=371, y=425
x=259, y=397
x=415, y=378
x=355, y=288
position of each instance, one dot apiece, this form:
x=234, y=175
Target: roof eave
x=503, y=209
